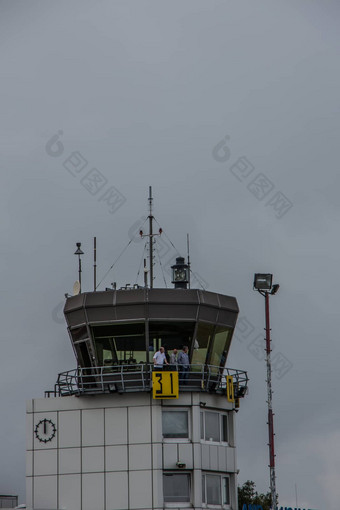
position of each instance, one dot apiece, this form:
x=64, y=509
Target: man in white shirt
x=159, y=358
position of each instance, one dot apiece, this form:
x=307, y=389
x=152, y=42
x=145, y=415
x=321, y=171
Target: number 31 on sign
x=164, y=385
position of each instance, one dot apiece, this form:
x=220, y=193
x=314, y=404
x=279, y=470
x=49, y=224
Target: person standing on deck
x=183, y=364
x=159, y=358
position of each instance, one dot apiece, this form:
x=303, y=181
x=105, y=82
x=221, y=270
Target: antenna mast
x=79, y=252
x=188, y=251
x=150, y=237
x=94, y=264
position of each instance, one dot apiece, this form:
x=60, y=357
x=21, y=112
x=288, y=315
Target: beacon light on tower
x=180, y=273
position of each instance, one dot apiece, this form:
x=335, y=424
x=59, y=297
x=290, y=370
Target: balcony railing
x=138, y=377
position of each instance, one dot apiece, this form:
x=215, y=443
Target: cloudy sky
x=230, y=110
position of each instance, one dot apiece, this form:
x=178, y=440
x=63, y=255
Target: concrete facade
x=108, y=452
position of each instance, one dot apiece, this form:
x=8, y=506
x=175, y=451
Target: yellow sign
x=164, y=385
x=230, y=388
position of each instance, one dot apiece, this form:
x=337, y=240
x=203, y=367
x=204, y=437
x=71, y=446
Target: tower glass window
x=120, y=344
x=214, y=426
x=215, y=490
x=201, y=344
x=170, y=335
x=221, y=346
x=79, y=333
x=175, y=424
x=176, y=487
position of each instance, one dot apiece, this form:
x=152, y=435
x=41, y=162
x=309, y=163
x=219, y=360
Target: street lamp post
x=263, y=284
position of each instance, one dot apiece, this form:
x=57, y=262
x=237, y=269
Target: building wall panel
x=45, y=462
x=222, y=458
x=70, y=492
x=169, y=456
x=205, y=456
x=117, y=496
x=231, y=459
x=29, y=492
x=69, y=429
x=139, y=425
x=45, y=492
x=157, y=457
x=93, y=459
x=93, y=491
x=213, y=457
x=185, y=454
x=116, y=458
x=139, y=456
x=157, y=476
x=29, y=463
x=69, y=460
x=140, y=489
x=116, y=426
x=92, y=427
x=29, y=431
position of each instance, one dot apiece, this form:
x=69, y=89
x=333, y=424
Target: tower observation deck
x=115, y=334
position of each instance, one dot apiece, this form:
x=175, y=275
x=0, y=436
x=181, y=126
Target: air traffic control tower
x=118, y=433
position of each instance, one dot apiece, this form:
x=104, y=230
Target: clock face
x=180, y=275
x=45, y=430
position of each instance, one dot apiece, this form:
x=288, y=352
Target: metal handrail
x=138, y=377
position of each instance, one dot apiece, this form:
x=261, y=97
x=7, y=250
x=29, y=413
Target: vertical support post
x=150, y=237
x=188, y=250
x=79, y=252
x=94, y=264
x=270, y=406
x=79, y=272
x=145, y=275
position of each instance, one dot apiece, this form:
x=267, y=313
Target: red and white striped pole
x=270, y=407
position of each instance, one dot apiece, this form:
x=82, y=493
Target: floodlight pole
x=263, y=284
x=270, y=405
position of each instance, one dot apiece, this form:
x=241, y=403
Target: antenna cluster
x=77, y=287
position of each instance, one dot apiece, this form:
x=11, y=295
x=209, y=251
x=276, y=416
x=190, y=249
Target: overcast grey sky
x=143, y=92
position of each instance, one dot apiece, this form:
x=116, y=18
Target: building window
x=170, y=334
x=214, y=426
x=175, y=424
x=120, y=344
x=176, y=487
x=215, y=490
x=202, y=343
x=220, y=346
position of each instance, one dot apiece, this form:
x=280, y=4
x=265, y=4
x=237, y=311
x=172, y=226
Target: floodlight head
x=263, y=281
x=275, y=288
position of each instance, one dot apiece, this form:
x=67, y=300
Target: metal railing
x=138, y=377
